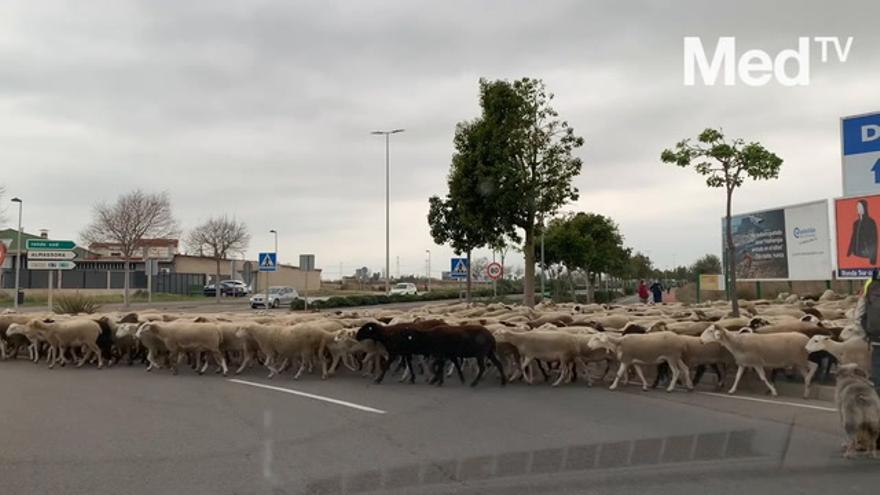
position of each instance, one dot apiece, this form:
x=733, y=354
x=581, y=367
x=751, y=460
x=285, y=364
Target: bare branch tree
x=133, y=217
x=217, y=238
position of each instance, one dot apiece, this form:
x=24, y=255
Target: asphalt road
x=124, y=431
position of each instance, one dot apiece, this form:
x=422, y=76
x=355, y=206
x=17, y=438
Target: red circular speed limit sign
x=494, y=270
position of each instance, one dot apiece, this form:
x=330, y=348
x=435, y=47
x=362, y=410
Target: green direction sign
x=45, y=245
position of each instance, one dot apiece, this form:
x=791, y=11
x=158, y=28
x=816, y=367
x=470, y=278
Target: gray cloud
x=263, y=110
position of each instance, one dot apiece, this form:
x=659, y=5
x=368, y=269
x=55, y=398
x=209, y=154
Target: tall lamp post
x=387, y=135
x=18, y=252
x=428, y=272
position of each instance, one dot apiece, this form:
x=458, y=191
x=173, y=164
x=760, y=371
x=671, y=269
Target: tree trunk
x=529, y=280
x=731, y=258
x=468, y=290
x=217, y=288
x=125, y=284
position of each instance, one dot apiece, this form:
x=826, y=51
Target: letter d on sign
x=870, y=132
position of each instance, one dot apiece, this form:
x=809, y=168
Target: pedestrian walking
x=643, y=292
x=657, y=292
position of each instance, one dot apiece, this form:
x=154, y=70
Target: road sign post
x=45, y=254
x=268, y=262
x=306, y=263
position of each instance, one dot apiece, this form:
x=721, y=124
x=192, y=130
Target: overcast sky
x=263, y=110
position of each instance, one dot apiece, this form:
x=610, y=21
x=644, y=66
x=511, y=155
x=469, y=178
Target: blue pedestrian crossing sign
x=458, y=268
x=268, y=262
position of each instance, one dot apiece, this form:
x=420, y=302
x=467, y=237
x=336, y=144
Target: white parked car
x=278, y=296
x=405, y=289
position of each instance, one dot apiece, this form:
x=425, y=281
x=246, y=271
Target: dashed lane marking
x=307, y=395
x=768, y=401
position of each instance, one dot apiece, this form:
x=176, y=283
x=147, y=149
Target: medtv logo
x=790, y=67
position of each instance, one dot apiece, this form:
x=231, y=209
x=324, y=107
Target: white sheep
x=649, y=348
x=64, y=334
x=855, y=351
x=186, y=336
x=759, y=351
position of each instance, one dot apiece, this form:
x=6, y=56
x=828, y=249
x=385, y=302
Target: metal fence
x=174, y=283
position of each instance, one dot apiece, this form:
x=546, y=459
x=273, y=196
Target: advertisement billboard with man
x=857, y=240
x=790, y=243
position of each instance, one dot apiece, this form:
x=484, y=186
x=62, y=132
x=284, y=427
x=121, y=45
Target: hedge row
x=374, y=299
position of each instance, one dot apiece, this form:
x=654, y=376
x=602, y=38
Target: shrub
x=75, y=303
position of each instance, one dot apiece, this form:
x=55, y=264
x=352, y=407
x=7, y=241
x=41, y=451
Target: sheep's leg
x=527, y=373
x=204, y=363
x=662, y=372
x=176, y=362
x=686, y=373
x=246, y=358
x=383, y=368
x=303, y=364
x=563, y=373
x=350, y=362
x=151, y=359
x=3, y=349
x=763, y=376
x=719, y=374
x=438, y=370
x=450, y=369
x=457, y=364
x=698, y=375
x=481, y=368
x=739, y=374
x=97, y=352
x=223, y=364
x=620, y=372
x=641, y=375
x=494, y=360
x=808, y=377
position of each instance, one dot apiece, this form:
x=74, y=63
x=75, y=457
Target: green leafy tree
x=725, y=163
x=640, y=266
x=520, y=163
x=588, y=242
x=449, y=226
x=708, y=264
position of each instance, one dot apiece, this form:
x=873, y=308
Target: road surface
x=88, y=431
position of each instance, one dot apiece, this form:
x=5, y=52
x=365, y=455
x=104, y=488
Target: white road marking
x=310, y=396
x=768, y=401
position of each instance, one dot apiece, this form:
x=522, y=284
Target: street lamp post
x=387, y=135
x=428, y=271
x=18, y=252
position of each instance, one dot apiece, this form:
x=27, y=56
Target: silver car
x=278, y=296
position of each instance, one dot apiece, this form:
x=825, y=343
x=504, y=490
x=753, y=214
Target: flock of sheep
x=563, y=342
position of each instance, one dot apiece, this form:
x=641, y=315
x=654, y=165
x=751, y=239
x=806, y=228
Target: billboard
x=790, y=243
x=860, y=154
x=856, y=220
x=711, y=282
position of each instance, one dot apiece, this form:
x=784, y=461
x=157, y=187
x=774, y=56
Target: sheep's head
x=810, y=319
x=370, y=330
x=711, y=334
x=128, y=318
x=758, y=322
x=699, y=315
x=816, y=343
x=631, y=328
x=16, y=329
x=602, y=341
x=852, y=331
x=745, y=330
x=145, y=328
x=658, y=326
x=126, y=330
